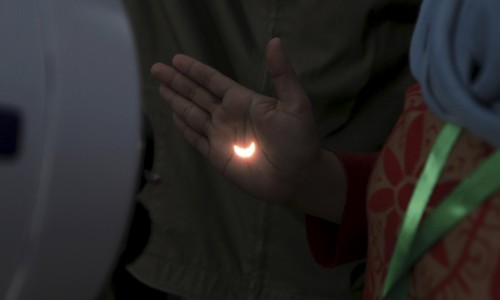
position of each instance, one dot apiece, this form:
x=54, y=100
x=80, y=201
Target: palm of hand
x=214, y=113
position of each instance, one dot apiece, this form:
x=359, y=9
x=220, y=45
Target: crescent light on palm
x=245, y=152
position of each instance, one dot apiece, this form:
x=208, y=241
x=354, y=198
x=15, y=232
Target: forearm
x=322, y=192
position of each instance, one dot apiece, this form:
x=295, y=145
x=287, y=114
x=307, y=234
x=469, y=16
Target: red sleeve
x=333, y=244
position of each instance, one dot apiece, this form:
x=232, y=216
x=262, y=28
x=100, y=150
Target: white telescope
x=69, y=145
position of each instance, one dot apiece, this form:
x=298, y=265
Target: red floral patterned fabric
x=465, y=264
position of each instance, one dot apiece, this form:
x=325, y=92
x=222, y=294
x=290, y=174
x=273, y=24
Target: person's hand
x=214, y=113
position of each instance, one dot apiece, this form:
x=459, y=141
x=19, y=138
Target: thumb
x=288, y=88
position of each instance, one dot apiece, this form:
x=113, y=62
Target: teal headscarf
x=455, y=55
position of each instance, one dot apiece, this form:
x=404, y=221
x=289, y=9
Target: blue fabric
x=455, y=55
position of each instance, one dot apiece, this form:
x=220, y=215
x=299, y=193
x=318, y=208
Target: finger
x=184, y=86
x=192, y=115
x=208, y=77
x=198, y=141
x=287, y=84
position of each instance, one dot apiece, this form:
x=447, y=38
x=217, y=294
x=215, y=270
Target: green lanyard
x=414, y=240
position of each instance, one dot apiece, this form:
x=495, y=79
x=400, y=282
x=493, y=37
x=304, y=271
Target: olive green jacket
x=209, y=239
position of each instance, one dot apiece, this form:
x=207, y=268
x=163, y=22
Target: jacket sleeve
x=334, y=244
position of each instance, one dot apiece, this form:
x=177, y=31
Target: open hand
x=215, y=113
